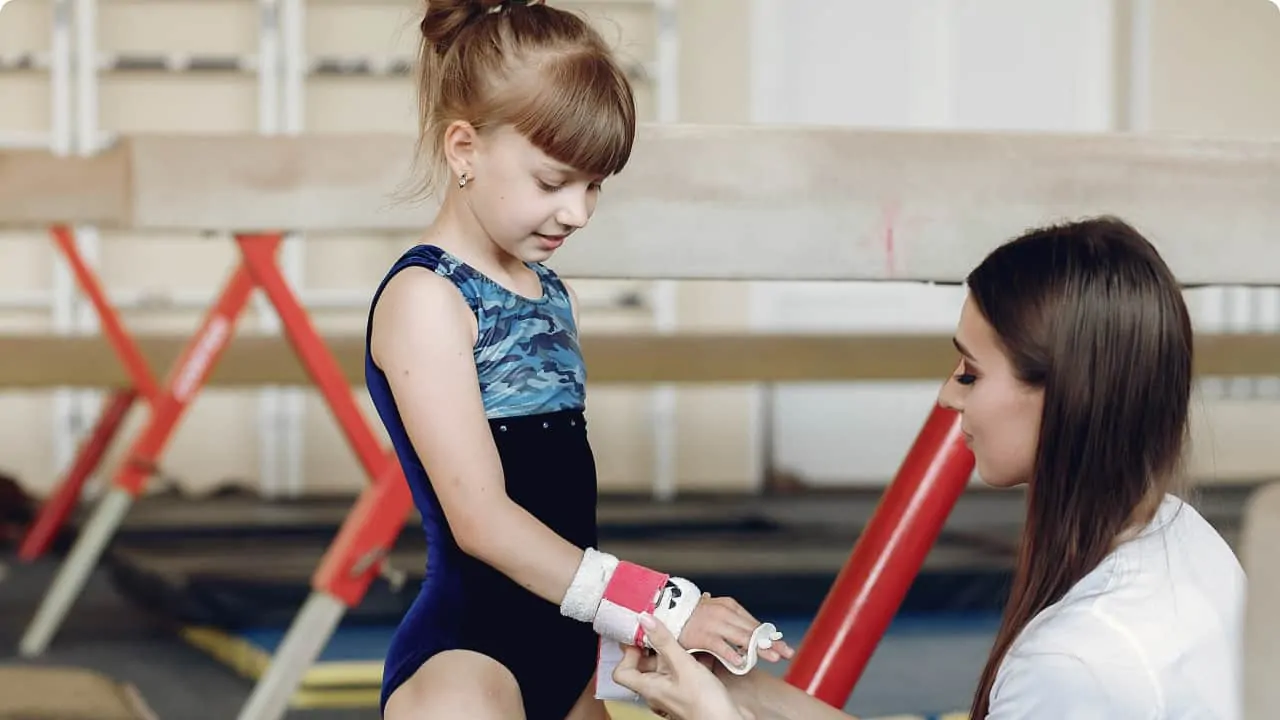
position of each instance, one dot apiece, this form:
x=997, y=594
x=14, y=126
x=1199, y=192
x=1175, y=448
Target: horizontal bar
x=11, y=140
x=717, y=202
x=155, y=300
x=574, y=4
x=318, y=66
x=36, y=360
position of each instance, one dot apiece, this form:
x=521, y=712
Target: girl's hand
x=673, y=683
x=721, y=626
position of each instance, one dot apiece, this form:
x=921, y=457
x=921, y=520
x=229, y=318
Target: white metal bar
x=88, y=402
x=293, y=77
x=302, y=644
x=26, y=140
x=268, y=71
x=74, y=572
x=320, y=65
x=295, y=65
x=1138, y=112
x=10, y=140
x=28, y=61
x=62, y=286
x=315, y=299
x=666, y=292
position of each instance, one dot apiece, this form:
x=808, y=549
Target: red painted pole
x=59, y=506
x=884, y=562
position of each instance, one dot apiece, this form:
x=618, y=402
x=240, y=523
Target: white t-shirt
x=1153, y=633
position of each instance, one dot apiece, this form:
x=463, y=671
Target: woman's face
x=1000, y=414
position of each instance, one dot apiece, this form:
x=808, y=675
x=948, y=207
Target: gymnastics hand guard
x=611, y=594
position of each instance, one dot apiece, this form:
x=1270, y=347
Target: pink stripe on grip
x=635, y=588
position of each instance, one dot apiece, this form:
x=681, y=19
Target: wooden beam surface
x=44, y=361
x=728, y=202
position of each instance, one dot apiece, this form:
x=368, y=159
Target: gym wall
x=1146, y=65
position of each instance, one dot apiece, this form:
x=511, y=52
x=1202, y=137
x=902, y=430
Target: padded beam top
x=44, y=361
x=729, y=202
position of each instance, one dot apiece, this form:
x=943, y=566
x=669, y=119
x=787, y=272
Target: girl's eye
x=966, y=378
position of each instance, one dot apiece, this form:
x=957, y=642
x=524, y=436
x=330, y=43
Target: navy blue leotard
x=532, y=379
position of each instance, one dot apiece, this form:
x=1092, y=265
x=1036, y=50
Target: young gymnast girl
x=474, y=367
x=1074, y=378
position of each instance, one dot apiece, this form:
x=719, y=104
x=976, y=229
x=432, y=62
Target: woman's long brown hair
x=1089, y=312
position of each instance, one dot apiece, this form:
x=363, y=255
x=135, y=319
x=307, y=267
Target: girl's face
x=1000, y=414
x=526, y=202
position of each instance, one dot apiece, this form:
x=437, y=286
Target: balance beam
x=715, y=202
x=46, y=361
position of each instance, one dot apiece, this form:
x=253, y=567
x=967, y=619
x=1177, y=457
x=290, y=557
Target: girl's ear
x=460, y=140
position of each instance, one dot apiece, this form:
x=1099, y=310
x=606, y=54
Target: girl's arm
x=423, y=338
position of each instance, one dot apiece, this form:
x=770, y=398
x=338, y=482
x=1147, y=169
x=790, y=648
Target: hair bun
x=444, y=20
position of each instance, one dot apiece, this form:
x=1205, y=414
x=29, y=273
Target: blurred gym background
x=757, y=491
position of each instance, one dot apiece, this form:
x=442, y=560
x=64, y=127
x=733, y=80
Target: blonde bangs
x=579, y=110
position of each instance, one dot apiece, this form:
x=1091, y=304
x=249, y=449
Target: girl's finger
x=727, y=652
x=730, y=618
x=740, y=637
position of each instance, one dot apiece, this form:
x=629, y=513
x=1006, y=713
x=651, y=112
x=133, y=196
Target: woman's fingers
x=628, y=671
x=660, y=637
x=649, y=662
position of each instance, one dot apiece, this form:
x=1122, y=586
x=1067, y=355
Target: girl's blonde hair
x=541, y=70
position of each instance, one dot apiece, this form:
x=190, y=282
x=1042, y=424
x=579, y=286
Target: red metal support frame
x=184, y=383
x=258, y=255
x=112, y=326
x=371, y=527
x=886, y=559
x=61, y=503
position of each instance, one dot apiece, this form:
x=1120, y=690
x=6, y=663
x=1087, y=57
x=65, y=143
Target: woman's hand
x=673, y=683
x=723, y=627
